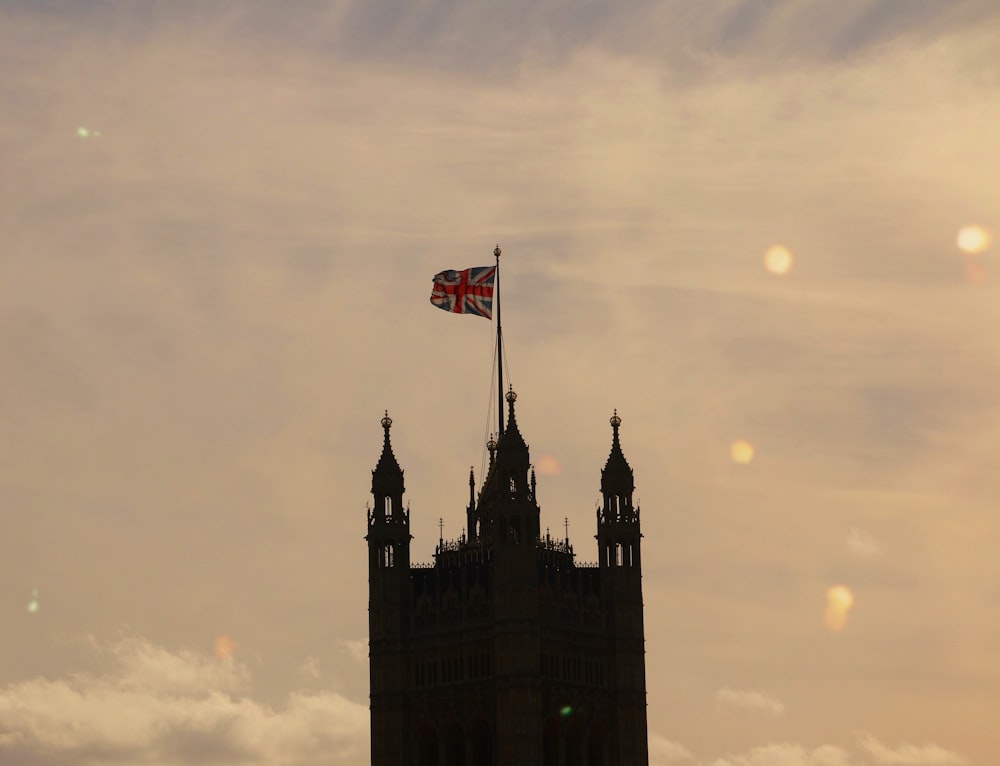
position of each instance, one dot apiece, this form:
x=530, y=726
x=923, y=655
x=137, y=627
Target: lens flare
x=839, y=601
x=33, y=605
x=975, y=273
x=224, y=647
x=973, y=239
x=778, y=259
x=547, y=465
x=741, y=451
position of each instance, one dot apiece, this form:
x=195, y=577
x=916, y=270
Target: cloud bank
x=172, y=708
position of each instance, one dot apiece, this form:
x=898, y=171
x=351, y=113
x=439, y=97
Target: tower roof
x=616, y=476
x=387, y=477
x=511, y=442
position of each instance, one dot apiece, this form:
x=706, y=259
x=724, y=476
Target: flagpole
x=496, y=252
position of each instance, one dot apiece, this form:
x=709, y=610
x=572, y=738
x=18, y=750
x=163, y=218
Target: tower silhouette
x=505, y=651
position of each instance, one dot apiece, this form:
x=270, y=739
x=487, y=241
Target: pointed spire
x=616, y=477
x=491, y=445
x=511, y=439
x=387, y=478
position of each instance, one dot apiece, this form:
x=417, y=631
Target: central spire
x=511, y=438
x=616, y=478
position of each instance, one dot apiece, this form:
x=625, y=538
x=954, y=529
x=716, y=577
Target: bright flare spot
x=33, y=604
x=741, y=451
x=224, y=647
x=778, y=259
x=839, y=601
x=973, y=239
x=548, y=466
x=566, y=711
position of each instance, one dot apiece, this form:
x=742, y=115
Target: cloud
x=495, y=39
x=785, y=754
x=749, y=700
x=171, y=708
x=908, y=755
x=310, y=668
x=861, y=542
x=663, y=751
x=358, y=649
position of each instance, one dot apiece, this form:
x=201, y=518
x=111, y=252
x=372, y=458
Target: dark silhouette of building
x=505, y=651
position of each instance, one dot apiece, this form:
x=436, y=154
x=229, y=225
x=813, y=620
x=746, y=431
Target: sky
x=763, y=231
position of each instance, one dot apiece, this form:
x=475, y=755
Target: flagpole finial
x=497, y=251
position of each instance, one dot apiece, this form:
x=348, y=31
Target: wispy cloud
x=357, y=648
x=906, y=754
x=861, y=542
x=785, y=754
x=310, y=668
x=750, y=700
x=663, y=752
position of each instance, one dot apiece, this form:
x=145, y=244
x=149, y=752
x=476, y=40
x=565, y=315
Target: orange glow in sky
x=741, y=451
x=547, y=465
x=224, y=647
x=975, y=273
x=839, y=601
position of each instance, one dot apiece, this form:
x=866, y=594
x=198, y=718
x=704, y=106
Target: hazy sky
x=218, y=226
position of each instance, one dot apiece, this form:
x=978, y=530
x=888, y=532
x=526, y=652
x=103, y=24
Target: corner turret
x=617, y=519
x=388, y=522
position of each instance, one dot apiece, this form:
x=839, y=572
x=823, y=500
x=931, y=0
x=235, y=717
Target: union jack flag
x=465, y=292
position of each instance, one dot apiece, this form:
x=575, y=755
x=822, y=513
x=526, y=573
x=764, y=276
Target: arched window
x=389, y=555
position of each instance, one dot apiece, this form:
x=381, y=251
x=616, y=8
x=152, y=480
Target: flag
x=465, y=292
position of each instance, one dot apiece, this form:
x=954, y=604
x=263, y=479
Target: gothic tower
x=620, y=561
x=388, y=607
x=505, y=651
